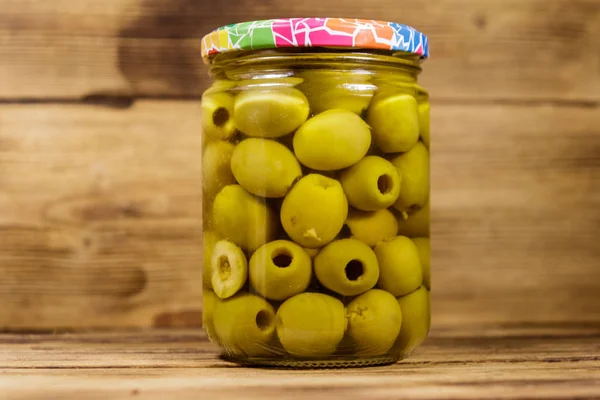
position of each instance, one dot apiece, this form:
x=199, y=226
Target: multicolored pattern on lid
x=315, y=32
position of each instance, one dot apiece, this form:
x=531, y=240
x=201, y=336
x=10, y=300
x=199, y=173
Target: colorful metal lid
x=315, y=32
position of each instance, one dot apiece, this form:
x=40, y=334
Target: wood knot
x=480, y=22
x=118, y=281
x=179, y=319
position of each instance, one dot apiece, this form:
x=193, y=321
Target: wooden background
x=100, y=145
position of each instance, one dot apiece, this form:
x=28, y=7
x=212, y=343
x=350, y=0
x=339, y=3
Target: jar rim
x=315, y=32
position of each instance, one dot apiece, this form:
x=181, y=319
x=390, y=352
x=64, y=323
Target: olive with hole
x=270, y=112
x=416, y=319
x=209, y=302
x=327, y=90
x=311, y=325
x=243, y=219
x=348, y=267
x=229, y=269
x=371, y=184
x=332, y=140
x=245, y=325
x=395, y=122
x=371, y=227
x=280, y=269
x=413, y=167
x=216, y=167
x=217, y=116
x=424, y=116
x=415, y=224
x=314, y=211
x=423, y=246
x=374, y=321
x=400, y=270
x=264, y=167
x=210, y=239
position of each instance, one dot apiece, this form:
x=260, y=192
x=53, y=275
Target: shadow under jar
x=316, y=192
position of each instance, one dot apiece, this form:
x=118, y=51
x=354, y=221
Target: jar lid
x=315, y=32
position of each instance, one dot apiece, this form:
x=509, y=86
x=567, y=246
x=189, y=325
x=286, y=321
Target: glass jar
x=316, y=192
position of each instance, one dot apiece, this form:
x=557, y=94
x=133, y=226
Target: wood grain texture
x=516, y=213
x=158, y=365
x=100, y=215
x=485, y=50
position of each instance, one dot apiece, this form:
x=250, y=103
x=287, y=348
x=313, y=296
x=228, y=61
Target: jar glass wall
x=316, y=207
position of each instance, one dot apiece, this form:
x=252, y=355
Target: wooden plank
x=183, y=364
x=100, y=215
x=492, y=50
x=550, y=383
x=515, y=214
x=189, y=348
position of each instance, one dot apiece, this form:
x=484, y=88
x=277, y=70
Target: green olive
x=229, y=269
x=312, y=252
x=217, y=116
x=424, y=116
x=243, y=219
x=270, y=112
x=220, y=85
x=423, y=246
x=216, y=167
x=374, y=321
x=371, y=184
x=311, y=324
x=413, y=167
x=400, y=269
x=332, y=140
x=210, y=239
x=416, y=319
x=314, y=211
x=346, y=90
x=264, y=167
x=341, y=97
x=209, y=302
x=415, y=224
x=372, y=227
x=280, y=269
x=347, y=267
x=245, y=325
x=395, y=122
x=269, y=83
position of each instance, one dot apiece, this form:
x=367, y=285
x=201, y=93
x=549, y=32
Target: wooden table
x=558, y=362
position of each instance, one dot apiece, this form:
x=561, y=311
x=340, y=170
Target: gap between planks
x=125, y=102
